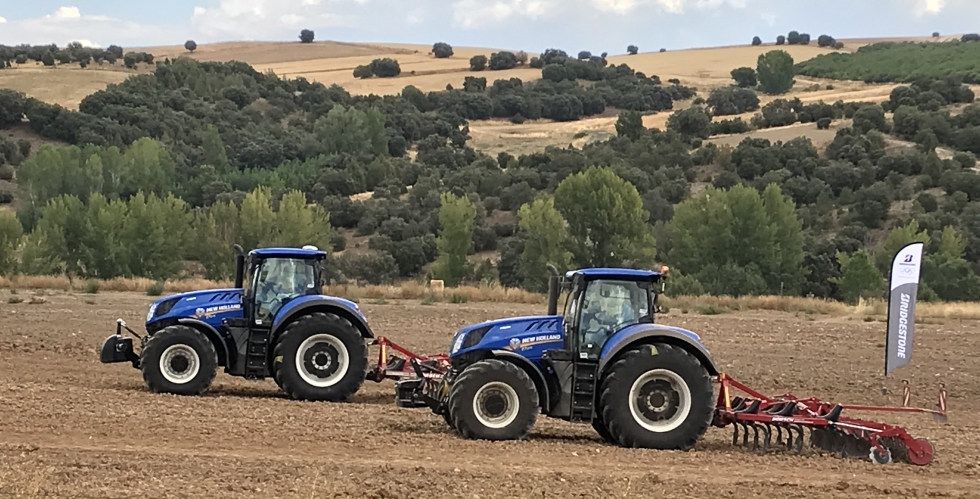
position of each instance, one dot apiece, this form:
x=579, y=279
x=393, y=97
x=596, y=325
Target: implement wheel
x=320, y=357
x=658, y=397
x=493, y=400
x=179, y=360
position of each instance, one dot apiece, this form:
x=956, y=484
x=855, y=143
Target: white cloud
x=2, y=20
x=929, y=7
x=670, y=6
x=258, y=19
x=473, y=13
x=68, y=24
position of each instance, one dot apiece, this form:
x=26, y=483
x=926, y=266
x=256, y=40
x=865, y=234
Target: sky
x=532, y=25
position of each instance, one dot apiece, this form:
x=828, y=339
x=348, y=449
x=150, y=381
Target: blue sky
x=533, y=25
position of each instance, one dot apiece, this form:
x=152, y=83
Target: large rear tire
x=658, y=397
x=320, y=357
x=179, y=360
x=493, y=400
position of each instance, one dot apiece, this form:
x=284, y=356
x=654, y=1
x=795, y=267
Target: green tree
x=947, y=273
x=105, y=247
x=157, y=234
x=217, y=231
x=299, y=224
x=630, y=124
x=456, y=216
x=544, y=242
x=737, y=241
x=60, y=235
x=775, y=71
x=607, y=224
x=352, y=131
x=859, y=277
x=214, y=150
x=258, y=220
x=896, y=240
x=10, y=236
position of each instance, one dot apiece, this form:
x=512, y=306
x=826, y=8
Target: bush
x=91, y=286
x=190, y=45
x=6, y=197
x=155, y=289
x=363, y=72
x=632, y=50
x=756, y=41
x=502, y=60
x=826, y=41
x=479, y=62
x=745, y=77
x=385, y=67
x=306, y=36
x=780, y=40
x=442, y=50
x=823, y=123
x=6, y=172
x=584, y=55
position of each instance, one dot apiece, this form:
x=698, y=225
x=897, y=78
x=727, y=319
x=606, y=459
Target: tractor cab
x=601, y=302
x=272, y=277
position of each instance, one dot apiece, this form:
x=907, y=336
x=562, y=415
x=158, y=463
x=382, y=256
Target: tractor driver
x=282, y=280
x=604, y=315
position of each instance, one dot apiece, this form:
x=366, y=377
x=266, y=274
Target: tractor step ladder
x=583, y=391
x=257, y=354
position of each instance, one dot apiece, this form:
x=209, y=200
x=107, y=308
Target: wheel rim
x=496, y=405
x=660, y=400
x=179, y=364
x=322, y=360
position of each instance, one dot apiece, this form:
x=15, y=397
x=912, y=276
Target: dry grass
x=411, y=290
x=66, y=86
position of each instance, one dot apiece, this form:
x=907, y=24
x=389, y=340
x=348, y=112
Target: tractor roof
x=617, y=273
x=307, y=252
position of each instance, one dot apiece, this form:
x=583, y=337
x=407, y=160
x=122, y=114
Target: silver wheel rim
x=660, y=400
x=179, y=364
x=322, y=360
x=488, y=401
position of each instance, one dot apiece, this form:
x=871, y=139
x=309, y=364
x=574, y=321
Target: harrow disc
x=880, y=458
x=924, y=454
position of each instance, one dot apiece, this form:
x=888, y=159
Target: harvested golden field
x=72, y=427
x=66, y=86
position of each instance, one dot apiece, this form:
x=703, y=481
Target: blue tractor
x=275, y=323
x=603, y=362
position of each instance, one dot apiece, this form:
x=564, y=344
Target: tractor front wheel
x=320, y=357
x=180, y=360
x=658, y=397
x=493, y=400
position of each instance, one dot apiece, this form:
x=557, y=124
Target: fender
x=224, y=346
x=637, y=334
x=308, y=303
x=544, y=397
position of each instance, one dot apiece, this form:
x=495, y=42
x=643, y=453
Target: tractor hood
x=208, y=306
x=528, y=336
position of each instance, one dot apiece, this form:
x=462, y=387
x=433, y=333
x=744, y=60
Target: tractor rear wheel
x=493, y=400
x=180, y=360
x=659, y=397
x=320, y=357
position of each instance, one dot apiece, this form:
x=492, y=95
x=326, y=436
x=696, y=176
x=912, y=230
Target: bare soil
x=72, y=427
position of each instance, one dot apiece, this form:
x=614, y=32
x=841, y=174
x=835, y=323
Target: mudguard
x=224, y=345
x=544, y=395
x=647, y=333
x=305, y=304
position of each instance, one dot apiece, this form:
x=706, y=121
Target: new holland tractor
x=603, y=362
x=274, y=323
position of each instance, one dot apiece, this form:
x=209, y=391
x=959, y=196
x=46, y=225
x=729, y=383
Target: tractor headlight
x=149, y=313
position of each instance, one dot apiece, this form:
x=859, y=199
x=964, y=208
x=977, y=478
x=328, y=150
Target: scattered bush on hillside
x=385, y=67
x=478, y=62
x=502, y=60
x=732, y=100
x=826, y=41
x=442, y=50
x=780, y=40
x=585, y=54
x=970, y=37
x=935, y=34
x=775, y=72
x=890, y=62
x=745, y=77
x=824, y=123
x=632, y=50
x=190, y=46
x=756, y=41
x=306, y=36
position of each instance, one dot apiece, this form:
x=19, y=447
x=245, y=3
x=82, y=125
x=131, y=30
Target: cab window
x=279, y=280
x=607, y=307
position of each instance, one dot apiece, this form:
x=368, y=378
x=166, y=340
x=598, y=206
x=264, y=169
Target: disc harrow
x=760, y=422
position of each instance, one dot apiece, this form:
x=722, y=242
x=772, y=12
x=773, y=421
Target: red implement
x=829, y=430
x=397, y=368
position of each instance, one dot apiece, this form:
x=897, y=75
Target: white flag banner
x=903, y=289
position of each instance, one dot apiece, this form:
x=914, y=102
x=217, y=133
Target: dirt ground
x=72, y=427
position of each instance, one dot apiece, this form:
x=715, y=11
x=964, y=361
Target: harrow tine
x=755, y=439
x=779, y=433
x=745, y=435
x=799, y=440
x=789, y=437
x=765, y=442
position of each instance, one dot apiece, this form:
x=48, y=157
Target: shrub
x=6, y=172
x=632, y=50
x=363, y=71
x=190, y=45
x=479, y=62
x=6, y=197
x=385, y=67
x=442, y=50
x=155, y=289
x=502, y=60
x=585, y=54
x=756, y=41
x=306, y=36
x=91, y=286
x=780, y=40
x=823, y=123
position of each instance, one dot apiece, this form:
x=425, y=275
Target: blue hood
x=528, y=336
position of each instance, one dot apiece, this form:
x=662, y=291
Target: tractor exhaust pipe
x=239, y=266
x=553, y=290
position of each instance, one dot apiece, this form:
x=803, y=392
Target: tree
x=544, y=235
x=502, y=60
x=896, y=240
x=478, y=62
x=607, y=224
x=756, y=41
x=859, y=277
x=10, y=235
x=775, y=71
x=632, y=50
x=745, y=77
x=385, y=67
x=306, y=36
x=442, y=50
x=456, y=216
x=826, y=41
x=693, y=122
x=947, y=273
x=190, y=45
x=363, y=71
x=630, y=124
x=737, y=241
x=780, y=40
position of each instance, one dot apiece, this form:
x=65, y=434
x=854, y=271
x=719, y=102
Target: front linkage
x=118, y=348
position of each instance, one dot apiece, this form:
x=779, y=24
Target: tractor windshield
x=278, y=281
x=607, y=307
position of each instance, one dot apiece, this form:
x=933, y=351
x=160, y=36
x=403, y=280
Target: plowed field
x=72, y=427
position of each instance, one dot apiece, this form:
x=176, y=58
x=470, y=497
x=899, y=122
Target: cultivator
x=393, y=367
x=830, y=431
